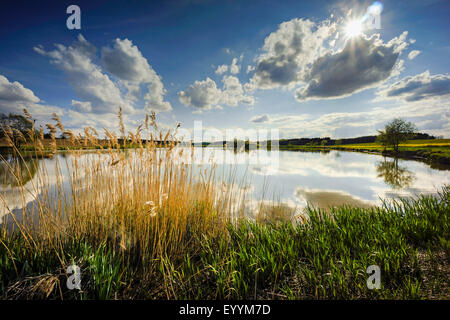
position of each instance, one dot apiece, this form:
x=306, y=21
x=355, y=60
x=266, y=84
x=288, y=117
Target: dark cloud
x=288, y=51
x=260, y=119
x=363, y=63
x=418, y=87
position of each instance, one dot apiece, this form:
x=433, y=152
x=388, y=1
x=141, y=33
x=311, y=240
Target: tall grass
x=143, y=204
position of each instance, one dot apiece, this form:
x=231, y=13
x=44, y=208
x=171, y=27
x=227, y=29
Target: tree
x=16, y=171
x=16, y=126
x=381, y=139
x=396, y=176
x=396, y=132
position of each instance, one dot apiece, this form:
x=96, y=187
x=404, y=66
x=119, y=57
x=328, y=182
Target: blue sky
x=288, y=65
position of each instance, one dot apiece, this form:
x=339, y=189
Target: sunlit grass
x=434, y=151
x=145, y=201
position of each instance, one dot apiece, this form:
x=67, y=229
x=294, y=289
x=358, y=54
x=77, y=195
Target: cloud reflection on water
x=295, y=180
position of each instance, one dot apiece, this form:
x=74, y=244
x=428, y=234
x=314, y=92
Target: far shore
x=432, y=151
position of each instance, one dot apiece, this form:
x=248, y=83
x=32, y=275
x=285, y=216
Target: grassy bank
x=326, y=257
x=67, y=145
x=434, y=151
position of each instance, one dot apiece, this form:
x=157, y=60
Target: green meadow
x=432, y=150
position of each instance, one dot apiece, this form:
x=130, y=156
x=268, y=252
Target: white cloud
x=434, y=118
x=15, y=92
x=125, y=61
x=306, y=53
x=250, y=69
x=77, y=120
x=154, y=100
x=82, y=106
x=99, y=93
x=133, y=90
x=201, y=94
x=260, y=119
x=85, y=77
x=362, y=63
x=205, y=94
x=419, y=87
x=234, y=67
x=300, y=52
x=233, y=93
x=14, y=97
x=288, y=52
x=222, y=69
x=413, y=54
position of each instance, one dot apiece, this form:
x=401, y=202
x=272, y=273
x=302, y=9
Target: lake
x=291, y=178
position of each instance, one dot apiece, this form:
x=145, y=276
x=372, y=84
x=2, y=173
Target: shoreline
x=418, y=155
x=325, y=257
x=436, y=157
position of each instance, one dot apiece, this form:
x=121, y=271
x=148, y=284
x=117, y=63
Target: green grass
x=422, y=142
x=325, y=258
x=433, y=150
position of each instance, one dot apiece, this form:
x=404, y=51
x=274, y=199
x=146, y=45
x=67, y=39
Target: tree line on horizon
x=394, y=133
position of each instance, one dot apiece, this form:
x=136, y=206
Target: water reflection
x=15, y=171
x=326, y=199
x=394, y=175
x=287, y=180
x=15, y=174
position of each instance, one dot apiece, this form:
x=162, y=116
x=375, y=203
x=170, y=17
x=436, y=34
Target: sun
x=353, y=28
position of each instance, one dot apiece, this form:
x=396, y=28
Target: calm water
x=290, y=177
x=334, y=178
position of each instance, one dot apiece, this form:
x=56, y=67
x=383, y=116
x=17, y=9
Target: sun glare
x=353, y=28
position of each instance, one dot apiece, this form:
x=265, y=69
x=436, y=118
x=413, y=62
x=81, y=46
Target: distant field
x=434, y=150
x=429, y=143
x=410, y=143
x=443, y=142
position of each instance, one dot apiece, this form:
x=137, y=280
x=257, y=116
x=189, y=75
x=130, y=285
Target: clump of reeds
x=143, y=200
